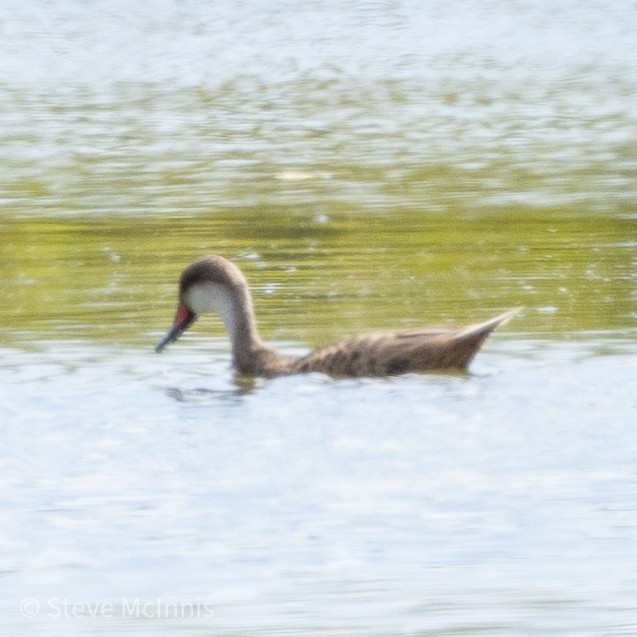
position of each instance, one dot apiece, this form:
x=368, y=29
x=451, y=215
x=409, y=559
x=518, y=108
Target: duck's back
x=401, y=352
x=390, y=354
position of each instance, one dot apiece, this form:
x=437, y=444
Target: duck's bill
x=183, y=320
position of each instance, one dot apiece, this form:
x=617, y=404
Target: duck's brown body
x=214, y=284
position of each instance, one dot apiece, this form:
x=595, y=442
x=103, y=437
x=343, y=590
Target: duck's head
x=210, y=284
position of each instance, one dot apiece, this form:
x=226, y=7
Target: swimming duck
x=214, y=284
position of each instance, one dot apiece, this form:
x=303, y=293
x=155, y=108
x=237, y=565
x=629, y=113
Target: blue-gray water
x=370, y=165
x=500, y=503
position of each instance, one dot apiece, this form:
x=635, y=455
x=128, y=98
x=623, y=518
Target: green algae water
x=369, y=166
x=115, y=279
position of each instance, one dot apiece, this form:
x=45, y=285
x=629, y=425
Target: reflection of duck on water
x=214, y=284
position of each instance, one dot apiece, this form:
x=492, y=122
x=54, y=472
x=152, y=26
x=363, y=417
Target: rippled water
x=369, y=165
x=501, y=502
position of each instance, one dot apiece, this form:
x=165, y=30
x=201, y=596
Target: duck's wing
x=392, y=353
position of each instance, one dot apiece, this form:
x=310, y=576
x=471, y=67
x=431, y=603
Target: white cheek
x=212, y=297
x=202, y=298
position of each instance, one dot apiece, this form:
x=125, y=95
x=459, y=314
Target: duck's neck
x=251, y=357
x=242, y=328
x=234, y=307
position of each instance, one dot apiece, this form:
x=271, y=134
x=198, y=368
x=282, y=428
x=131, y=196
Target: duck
x=213, y=284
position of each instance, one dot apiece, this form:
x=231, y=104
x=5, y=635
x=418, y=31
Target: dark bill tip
x=171, y=336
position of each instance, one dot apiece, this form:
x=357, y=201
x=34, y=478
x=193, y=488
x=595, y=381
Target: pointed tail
x=481, y=330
